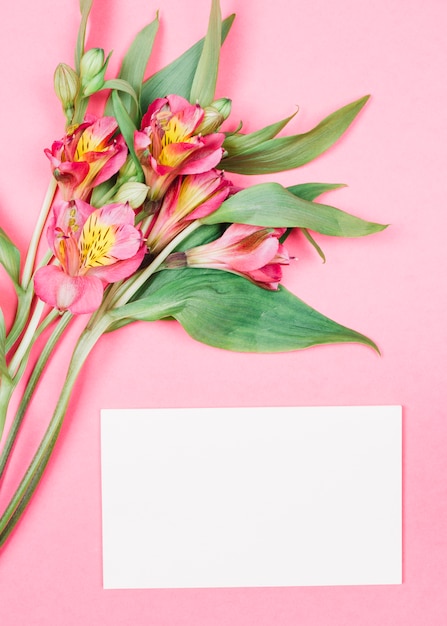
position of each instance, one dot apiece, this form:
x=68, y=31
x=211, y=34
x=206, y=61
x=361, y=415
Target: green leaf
x=227, y=311
x=313, y=243
x=310, y=191
x=10, y=257
x=102, y=193
x=286, y=153
x=200, y=236
x=85, y=6
x=239, y=142
x=126, y=124
x=205, y=78
x=178, y=76
x=134, y=65
x=121, y=85
x=270, y=204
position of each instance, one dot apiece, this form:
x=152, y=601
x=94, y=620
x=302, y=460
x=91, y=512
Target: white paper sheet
x=251, y=497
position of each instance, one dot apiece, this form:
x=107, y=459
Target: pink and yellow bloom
x=94, y=247
x=189, y=198
x=88, y=155
x=251, y=251
x=169, y=143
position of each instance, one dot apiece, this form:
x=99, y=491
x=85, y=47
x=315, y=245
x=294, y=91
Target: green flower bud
x=129, y=172
x=66, y=86
x=223, y=105
x=215, y=114
x=133, y=193
x=93, y=68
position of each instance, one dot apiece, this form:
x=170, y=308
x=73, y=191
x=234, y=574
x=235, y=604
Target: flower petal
x=77, y=294
x=119, y=270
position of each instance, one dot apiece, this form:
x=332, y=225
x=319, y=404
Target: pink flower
x=94, y=247
x=87, y=156
x=170, y=144
x=250, y=251
x=189, y=197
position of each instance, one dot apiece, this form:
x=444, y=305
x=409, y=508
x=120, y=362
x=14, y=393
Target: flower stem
x=32, y=476
x=27, y=338
x=21, y=317
x=32, y=250
x=10, y=382
x=30, y=388
x=130, y=287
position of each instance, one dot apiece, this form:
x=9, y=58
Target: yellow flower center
x=95, y=243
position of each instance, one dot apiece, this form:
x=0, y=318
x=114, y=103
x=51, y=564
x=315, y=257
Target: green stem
x=27, y=338
x=23, y=308
x=30, y=388
x=8, y=384
x=21, y=317
x=32, y=250
x=31, y=479
x=131, y=286
x=6, y=389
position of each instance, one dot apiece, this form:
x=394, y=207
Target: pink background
x=320, y=56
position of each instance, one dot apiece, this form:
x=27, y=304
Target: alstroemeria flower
x=87, y=156
x=94, y=247
x=251, y=251
x=189, y=197
x=170, y=144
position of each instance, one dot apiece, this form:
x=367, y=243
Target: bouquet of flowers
x=142, y=222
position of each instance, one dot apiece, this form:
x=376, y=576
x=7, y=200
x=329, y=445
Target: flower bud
x=93, y=68
x=66, y=86
x=129, y=172
x=132, y=193
x=215, y=114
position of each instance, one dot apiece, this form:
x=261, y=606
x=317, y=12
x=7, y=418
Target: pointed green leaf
x=205, y=78
x=10, y=257
x=178, y=76
x=286, y=153
x=124, y=86
x=313, y=243
x=238, y=143
x=227, y=311
x=270, y=204
x=85, y=6
x=126, y=125
x=134, y=65
x=310, y=191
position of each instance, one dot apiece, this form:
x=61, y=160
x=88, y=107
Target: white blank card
x=251, y=497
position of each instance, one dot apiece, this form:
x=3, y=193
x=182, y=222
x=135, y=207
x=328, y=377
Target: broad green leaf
x=205, y=78
x=286, y=153
x=134, y=65
x=126, y=125
x=199, y=237
x=85, y=6
x=227, y=311
x=310, y=191
x=178, y=76
x=270, y=204
x=239, y=142
x=10, y=257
